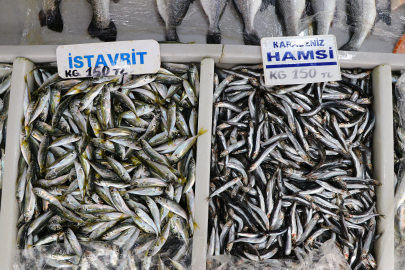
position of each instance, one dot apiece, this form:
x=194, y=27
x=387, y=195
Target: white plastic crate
x=227, y=55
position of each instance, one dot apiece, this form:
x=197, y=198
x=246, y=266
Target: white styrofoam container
x=22, y=68
x=226, y=55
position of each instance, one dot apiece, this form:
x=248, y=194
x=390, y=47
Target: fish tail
x=106, y=34
x=170, y=140
x=213, y=37
x=348, y=47
x=201, y=132
x=251, y=38
x=42, y=18
x=171, y=34
x=52, y=19
x=384, y=15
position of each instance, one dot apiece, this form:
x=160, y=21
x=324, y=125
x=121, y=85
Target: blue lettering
x=321, y=54
x=313, y=43
x=141, y=56
x=275, y=44
x=101, y=61
x=78, y=61
x=282, y=45
x=133, y=57
x=276, y=55
x=321, y=42
x=70, y=61
x=288, y=44
x=113, y=62
x=309, y=55
x=288, y=55
x=330, y=53
x=125, y=57
x=88, y=57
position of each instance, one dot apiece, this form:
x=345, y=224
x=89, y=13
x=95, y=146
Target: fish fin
x=54, y=20
x=42, y=18
x=171, y=34
x=384, y=15
x=106, y=34
x=213, y=38
x=251, y=38
x=266, y=4
x=348, y=47
x=201, y=132
x=195, y=225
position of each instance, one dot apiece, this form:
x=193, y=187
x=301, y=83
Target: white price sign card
x=108, y=59
x=300, y=60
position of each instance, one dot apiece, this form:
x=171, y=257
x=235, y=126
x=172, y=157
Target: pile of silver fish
x=398, y=91
x=291, y=168
x=101, y=25
x=5, y=85
x=107, y=170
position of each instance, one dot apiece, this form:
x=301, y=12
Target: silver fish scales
x=5, y=86
x=301, y=173
x=91, y=182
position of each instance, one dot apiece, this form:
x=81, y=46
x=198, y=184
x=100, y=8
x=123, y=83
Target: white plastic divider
x=9, y=210
x=203, y=164
x=168, y=52
x=383, y=162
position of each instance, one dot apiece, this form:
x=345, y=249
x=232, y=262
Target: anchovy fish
x=302, y=171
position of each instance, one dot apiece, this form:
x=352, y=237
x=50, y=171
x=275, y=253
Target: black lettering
x=68, y=73
x=75, y=73
x=273, y=75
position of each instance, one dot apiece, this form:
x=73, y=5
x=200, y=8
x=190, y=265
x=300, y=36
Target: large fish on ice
x=172, y=13
x=214, y=9
x=50, y=16
x=248, y=10
x=361, y=15
x=101, y=25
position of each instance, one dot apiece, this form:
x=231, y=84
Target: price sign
x=108, y=59
x=299, y=60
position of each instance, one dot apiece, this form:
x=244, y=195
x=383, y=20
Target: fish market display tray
x=382, y=143
x=226, y=56
x=24, y=66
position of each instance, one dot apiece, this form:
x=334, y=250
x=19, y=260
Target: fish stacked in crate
x=107, y=170
x=5, y=85
x=291, y=167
